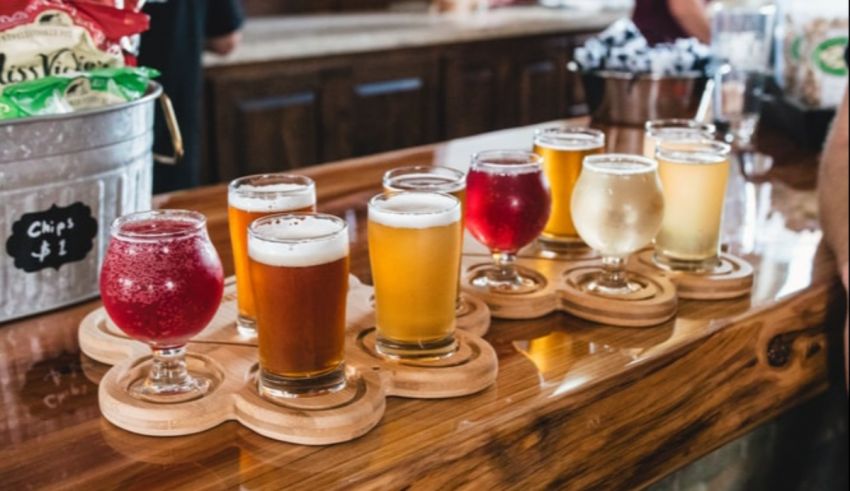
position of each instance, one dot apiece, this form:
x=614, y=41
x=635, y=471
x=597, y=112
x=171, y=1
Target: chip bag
x=41, y=38
x=75, y=92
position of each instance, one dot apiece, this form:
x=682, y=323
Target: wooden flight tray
x=230, y=360
x=560, y=276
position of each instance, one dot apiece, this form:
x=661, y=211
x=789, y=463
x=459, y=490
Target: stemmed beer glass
x=507, y=208
x=617, y=209
x=162, y=283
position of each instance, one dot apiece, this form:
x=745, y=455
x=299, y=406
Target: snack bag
x=40, y=38
x=69, y=93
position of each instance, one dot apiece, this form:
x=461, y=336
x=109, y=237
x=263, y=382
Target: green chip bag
x=75, y=92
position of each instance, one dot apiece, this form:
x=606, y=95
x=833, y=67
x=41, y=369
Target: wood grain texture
x=561, y=282
x=732, y=278
x=575, y=405
x=229, y=360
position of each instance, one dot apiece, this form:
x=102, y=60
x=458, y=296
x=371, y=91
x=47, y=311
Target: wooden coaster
x=229, y=359
x=321, y=420
x=732, y=278
x=470, y=369
x=654, y=304
x=475, y=317
x=559, y=293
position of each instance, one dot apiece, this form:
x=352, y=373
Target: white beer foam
x=570, y=143
x=279, y=244
x=274, y=197
x=415, y=210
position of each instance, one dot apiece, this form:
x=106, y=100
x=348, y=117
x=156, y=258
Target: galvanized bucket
x=63, y=180
x=625, y=99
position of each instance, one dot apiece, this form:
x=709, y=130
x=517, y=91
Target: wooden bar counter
x=576, y=405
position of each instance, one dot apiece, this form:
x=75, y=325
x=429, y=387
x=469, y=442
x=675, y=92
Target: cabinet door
x=392, y=105
x=475, y=85
x=540, y=78
x=264, y=123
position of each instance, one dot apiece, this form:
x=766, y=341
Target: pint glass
x=694, y=175
x=250, y=198
x=674, y=129
x=563, y=151
x=299, y=267
x=414, y=248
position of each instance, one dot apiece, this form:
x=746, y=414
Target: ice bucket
x=63, y=180
x=625, y=99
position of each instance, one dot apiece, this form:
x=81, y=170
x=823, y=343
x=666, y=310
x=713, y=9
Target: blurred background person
x=180, y=31
x=663, y=21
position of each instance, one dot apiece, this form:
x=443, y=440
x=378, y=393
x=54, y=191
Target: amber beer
x=299, y=267
x=428, y=179
x=563, y=151
x=694, y=175
x=414, y=248
x=250, y=198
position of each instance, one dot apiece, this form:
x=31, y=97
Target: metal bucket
x=625, y=99
x=63, y=180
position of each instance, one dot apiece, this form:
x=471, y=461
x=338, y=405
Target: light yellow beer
x=250, y=198
x=563, y=151
x=674, y=129
x=694, y=176
x=414, y=249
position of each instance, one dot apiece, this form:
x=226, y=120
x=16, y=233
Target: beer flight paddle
x=229, y=360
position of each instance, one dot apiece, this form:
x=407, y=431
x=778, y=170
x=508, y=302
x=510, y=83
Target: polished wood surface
x=575, y=405
x=228, y=359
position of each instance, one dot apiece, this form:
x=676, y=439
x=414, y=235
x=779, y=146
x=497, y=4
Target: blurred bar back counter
x=306, y=89
x=575, y=406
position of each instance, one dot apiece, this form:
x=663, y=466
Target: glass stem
x=506, y=271
x=169, y=367
x=615, y=272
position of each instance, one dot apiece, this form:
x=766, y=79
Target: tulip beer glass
x=250, y=198
x=162, y=283
x=507, y=208
x=674, y=129
x=414, y=249
x=563, y=151
x=617, y=209
x=299, y=273
x=694, y=174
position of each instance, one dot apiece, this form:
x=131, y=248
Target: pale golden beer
x=250, y=198
x=432, y=179
x=414, y=249
x=563, y=150
x=299, y=274
x=674, y=129
x=618, y=204
x=694, y=175
x=617, y=209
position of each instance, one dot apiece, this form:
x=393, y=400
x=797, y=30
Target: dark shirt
x=656, y=21
x=174, y=45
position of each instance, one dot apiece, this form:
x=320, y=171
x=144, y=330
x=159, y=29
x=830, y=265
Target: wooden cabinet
x=284, y=115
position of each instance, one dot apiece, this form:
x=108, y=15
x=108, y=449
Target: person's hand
x=224, y=45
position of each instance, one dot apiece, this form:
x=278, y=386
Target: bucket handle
x=173, y=130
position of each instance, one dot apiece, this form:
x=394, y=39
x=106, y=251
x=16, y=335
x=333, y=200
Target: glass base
x=600, y=286
x=560, y=244
x=246, y=326
x=192, y=386
x=273, y=386
x=430, y=350
x=523, y=282
x=668, y=263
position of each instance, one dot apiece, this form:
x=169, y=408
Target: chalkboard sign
x=51, y=238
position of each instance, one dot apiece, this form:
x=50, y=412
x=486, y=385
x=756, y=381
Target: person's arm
x=224, y=19
x=833, y=197
x=692, y=16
